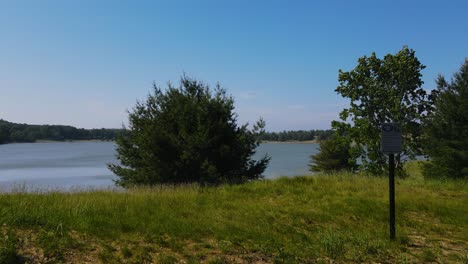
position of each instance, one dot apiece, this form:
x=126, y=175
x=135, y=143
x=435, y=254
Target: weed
x=334, y=244
x=429, y=255
x=218, y=260
x=165, y=258
x=8, y=246
x=106, y=255
x=126, y=252
x=142, y=255
x=404, y=258
x=56, y=242
x=464, y=258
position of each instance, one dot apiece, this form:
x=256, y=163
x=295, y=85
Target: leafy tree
x=383, y=90
x=187, y=134
x=447, y=128
x=334, y=155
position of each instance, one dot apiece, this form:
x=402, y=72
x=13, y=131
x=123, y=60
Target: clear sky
x=84, y=63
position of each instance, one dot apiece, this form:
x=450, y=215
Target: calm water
x=66, y=165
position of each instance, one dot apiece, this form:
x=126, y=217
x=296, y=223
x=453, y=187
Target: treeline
x=299, y=135
x=13, y=132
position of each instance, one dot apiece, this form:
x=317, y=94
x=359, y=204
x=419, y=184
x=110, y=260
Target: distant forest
x=12, y=132
x=299, y=135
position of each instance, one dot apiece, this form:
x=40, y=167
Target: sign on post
x=391, y=140
x=390, y=144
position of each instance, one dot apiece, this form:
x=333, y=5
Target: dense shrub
x=187, y=134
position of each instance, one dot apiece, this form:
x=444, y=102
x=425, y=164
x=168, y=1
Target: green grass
x=319, y=219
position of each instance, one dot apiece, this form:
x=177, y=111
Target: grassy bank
x=339, y=218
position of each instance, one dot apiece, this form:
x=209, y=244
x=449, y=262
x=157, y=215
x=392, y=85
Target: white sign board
x=391, y=140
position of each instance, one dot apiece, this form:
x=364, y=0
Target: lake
x=68, y=165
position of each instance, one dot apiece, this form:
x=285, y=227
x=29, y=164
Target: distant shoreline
x=71, y=140
x=292, y=142
x=59, y=141
x=102, y=140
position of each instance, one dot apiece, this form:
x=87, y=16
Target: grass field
x=339, y=218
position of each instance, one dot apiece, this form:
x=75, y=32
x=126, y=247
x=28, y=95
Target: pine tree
x=447, y=128
x=334, y=155
x=187, y=134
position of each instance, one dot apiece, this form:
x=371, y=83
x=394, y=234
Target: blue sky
x=84, y=63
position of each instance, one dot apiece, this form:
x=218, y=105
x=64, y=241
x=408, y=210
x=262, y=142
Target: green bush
x=187, y=134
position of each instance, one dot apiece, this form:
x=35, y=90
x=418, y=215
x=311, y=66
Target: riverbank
x=339, y=218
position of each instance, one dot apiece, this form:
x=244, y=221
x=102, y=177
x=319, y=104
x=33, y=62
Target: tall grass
x=289, y=220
